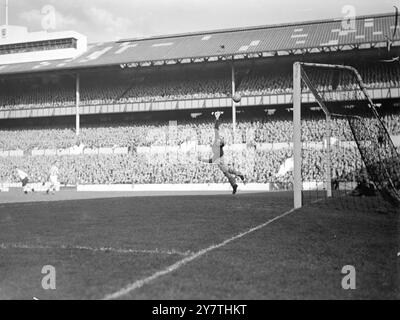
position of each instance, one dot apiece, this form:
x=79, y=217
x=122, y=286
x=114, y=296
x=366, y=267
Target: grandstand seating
x=258, y=82
x=260, y=165
x=272, y=129
x=120, y=84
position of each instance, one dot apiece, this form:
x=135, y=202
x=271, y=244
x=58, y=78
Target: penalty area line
x=140, y=283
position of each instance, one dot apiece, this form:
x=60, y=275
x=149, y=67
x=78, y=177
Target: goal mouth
x=342, y=144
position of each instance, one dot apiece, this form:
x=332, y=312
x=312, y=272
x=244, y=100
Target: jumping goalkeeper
x=218, y=156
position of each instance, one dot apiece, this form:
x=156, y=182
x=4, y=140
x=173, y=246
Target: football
x=237, y=97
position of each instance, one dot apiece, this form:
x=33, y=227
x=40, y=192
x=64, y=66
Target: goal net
x=341, y=147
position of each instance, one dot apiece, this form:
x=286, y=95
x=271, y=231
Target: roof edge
x=252, y=28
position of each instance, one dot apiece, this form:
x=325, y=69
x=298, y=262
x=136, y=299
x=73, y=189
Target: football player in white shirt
x=24, y=178
x=53, y=178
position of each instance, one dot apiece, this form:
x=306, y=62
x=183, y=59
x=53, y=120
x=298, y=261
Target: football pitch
x=194, y=246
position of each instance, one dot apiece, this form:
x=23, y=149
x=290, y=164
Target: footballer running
x=24, y=178
x=53, y=179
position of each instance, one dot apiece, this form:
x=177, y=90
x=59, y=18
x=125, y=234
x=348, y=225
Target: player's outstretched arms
x=216, y=124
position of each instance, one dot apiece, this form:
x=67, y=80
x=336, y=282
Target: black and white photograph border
x=178, y=151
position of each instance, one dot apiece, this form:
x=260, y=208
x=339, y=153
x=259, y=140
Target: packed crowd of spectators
x=177, y=90
x=258, y=166
x=281, y=82
x=270, y=129
x=111, y=89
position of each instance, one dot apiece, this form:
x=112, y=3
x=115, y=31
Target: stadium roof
x=263, y=41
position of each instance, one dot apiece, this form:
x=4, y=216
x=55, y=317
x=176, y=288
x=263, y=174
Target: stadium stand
x=260, y=166
x=178, y=167
x=270, y=129
x=261, y=82
x=124, y=81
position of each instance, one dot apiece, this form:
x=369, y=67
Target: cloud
x=35, y=18
x=107, y=21
x=64, y=22
x=31, y=16
x=98, y=23
x=104, y=20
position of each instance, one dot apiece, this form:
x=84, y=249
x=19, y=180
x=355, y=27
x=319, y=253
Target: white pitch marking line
x=140, y=283
x=102, y=249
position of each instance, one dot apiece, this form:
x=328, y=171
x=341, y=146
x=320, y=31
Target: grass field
x=194, y=246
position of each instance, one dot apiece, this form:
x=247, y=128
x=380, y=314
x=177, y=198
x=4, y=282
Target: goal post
x=297, y=144
x=359, y=134
x=298, y=77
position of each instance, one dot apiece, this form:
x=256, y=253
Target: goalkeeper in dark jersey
x=218, y=156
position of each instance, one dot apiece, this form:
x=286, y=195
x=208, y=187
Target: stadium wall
x=215, y=187
x=225, y=187
x=172, y=187
x=192, y=187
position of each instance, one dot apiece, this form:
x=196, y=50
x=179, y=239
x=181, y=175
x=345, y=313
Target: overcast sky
x=102, y=20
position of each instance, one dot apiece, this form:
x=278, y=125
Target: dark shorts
x=25, y=182
x=216, y=160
